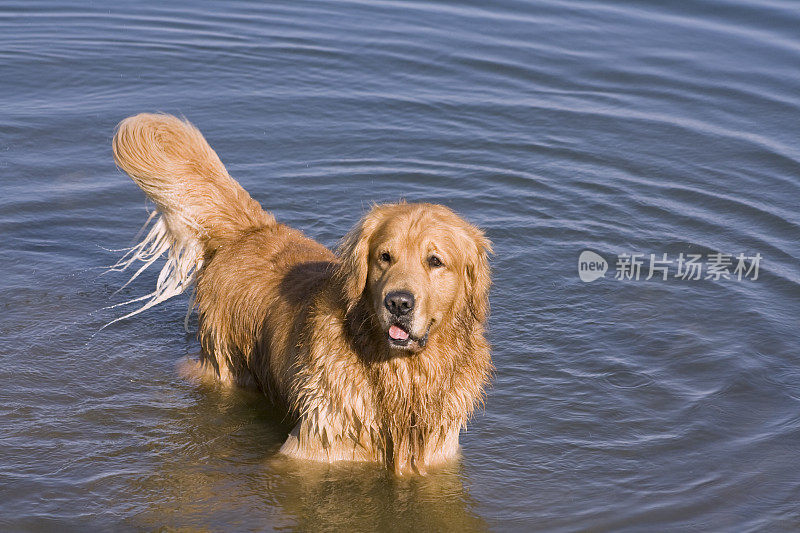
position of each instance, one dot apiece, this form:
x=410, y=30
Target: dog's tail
x=200, y=206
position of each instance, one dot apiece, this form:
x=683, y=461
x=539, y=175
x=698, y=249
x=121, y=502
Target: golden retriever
x=378, y=351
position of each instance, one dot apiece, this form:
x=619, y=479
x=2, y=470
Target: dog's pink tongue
x=398, y=334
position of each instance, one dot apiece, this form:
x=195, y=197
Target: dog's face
x=416, y=266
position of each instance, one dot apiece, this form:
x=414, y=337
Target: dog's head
x=416, y=267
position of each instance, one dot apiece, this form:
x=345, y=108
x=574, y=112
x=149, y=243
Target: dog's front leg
x=328, y=440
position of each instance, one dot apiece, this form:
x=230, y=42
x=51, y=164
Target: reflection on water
x=227, y=471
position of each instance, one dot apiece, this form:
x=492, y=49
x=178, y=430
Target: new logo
x=591, y=266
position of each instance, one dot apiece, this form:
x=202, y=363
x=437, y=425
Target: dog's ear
x=354, y=255
x=478, y=274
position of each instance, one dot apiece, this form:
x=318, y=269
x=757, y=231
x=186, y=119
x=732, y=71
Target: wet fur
x=280, y=311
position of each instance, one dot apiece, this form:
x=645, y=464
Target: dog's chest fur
x=403, y=410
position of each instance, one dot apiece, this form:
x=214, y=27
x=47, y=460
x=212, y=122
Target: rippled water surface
x=620, y=127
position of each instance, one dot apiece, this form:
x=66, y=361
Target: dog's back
x=254, y=277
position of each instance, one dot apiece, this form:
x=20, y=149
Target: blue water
x=619, y=127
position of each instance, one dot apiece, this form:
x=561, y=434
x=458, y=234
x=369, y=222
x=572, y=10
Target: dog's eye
x=435, y=262
x=386, y=257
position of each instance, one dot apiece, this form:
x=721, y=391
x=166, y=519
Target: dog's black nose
x=399, y=302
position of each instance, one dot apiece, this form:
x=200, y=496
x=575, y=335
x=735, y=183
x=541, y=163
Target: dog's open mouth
x=398, y=335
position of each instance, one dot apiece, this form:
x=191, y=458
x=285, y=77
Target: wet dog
x=377, y=350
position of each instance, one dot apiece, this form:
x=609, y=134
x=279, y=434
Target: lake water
x=617, y=127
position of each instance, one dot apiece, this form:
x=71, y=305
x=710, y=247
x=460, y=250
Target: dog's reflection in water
x=218, y=469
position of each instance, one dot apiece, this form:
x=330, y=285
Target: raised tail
x=200, y=206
